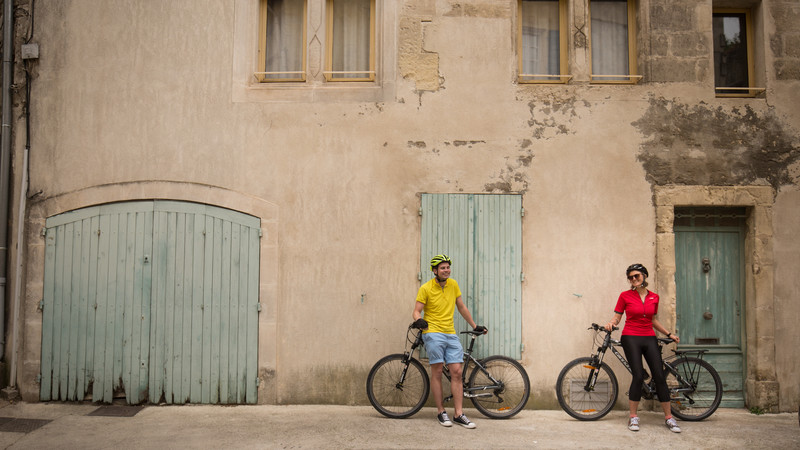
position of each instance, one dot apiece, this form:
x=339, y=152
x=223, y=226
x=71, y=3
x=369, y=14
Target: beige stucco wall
x=154, y=100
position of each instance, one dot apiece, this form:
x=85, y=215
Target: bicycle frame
x=469, y=392
x=647, y=388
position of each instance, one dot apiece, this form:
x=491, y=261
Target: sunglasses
x=634, y=277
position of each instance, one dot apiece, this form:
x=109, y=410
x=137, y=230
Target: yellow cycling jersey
x=440, y=305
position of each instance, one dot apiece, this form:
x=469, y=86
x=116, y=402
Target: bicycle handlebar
x=597, y=327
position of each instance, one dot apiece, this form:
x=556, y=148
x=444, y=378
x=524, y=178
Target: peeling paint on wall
x=550, y=117
x=704, y=145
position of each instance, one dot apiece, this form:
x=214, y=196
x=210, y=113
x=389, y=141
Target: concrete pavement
x=70, y=425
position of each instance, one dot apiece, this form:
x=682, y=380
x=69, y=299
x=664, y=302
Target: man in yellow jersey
x=438, y=300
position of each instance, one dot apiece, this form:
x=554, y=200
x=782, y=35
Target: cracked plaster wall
x=344, y=174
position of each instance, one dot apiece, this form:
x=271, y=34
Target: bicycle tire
x=384, y=392
x=507, y=401
x=706, y=385
x=582, y=404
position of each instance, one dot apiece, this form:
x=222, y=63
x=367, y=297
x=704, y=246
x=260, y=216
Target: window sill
x=525, y=78
x=622, y=79
x=747, y=92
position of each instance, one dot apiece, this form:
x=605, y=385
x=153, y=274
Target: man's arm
x=418, y=307
x=462, y=309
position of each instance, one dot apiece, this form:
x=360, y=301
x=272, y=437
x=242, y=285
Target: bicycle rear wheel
x=391, y=396
x=573, y=396
x=695, y=388
x=503, y=399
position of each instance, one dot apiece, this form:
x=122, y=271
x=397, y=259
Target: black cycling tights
x=635, y=347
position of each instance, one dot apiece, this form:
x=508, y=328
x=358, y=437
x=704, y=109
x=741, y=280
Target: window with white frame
x=613, y=39
x=542, y=41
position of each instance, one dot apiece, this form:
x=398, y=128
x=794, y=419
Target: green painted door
x=154, y=300
x=482, y=234
x=709, y=250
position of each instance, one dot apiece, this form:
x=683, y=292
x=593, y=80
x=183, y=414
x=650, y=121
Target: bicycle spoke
x=695, y=388
x=389, y=395
x=501, y=390
x=580, y=402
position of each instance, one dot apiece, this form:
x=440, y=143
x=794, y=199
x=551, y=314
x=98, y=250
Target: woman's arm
x=661, y=329
x=614, y=322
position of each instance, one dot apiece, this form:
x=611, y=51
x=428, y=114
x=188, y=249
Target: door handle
x=707, y=315
x=706, y=265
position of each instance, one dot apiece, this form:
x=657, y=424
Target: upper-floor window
x=282, y=40
x=733, y=52
x=613, y=41
x=542, y=40
x=351, y=40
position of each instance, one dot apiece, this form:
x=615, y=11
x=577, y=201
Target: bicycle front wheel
x=583, y=402
x=504, y=396
x=695, y=388
x=392, y=394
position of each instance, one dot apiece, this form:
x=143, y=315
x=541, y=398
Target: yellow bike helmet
x=438, y=259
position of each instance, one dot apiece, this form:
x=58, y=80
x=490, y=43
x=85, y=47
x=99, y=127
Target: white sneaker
x=633, y=424
x=673, y=425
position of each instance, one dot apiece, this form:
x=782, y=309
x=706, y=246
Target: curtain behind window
x=284, y=48
x=610, y=37
x=540, y=37
x=351, y=38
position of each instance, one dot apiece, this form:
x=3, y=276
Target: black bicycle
x=587, y=387
x=398, y=385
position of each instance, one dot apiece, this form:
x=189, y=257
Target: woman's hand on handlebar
x=610, y=326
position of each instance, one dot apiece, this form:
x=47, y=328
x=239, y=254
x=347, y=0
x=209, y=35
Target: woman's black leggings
x=635, y=347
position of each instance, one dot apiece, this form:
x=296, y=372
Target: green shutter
x=482, y=234
x=158, y=300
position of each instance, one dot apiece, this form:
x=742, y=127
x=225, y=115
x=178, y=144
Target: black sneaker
x=464, y=422
x=443, y=419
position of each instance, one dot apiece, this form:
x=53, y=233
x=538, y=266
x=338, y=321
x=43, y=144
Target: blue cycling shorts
x=443, y=348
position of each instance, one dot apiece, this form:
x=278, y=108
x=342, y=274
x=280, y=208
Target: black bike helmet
x=438, y=259
x=637, y=267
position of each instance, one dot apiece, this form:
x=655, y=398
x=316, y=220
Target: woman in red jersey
x=640, y=307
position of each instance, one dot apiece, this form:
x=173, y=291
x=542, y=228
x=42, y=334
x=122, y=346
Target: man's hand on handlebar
x=481, y=329
x=422, y=324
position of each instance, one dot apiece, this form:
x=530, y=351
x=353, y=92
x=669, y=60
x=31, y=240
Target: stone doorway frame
x=761, y=381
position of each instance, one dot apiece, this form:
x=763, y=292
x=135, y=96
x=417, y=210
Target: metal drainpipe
x=5, y=157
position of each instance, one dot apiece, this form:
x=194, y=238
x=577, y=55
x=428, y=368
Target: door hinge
x=260, y=233
x=44, y=231
x=258, y=306
x=522, y=212
x=41, y=305
x=420, y=211
x=521, y=347
x=258, y=381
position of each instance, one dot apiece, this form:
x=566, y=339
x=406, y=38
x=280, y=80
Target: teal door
x=709, y=250
x=154, y=300
x=482, y=234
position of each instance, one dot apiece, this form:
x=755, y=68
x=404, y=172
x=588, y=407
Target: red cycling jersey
x=638, y=314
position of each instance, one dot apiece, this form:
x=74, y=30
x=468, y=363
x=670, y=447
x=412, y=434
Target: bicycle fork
x=406, y=363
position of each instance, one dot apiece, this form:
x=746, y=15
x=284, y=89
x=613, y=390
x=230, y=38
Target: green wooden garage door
x=156, y=300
